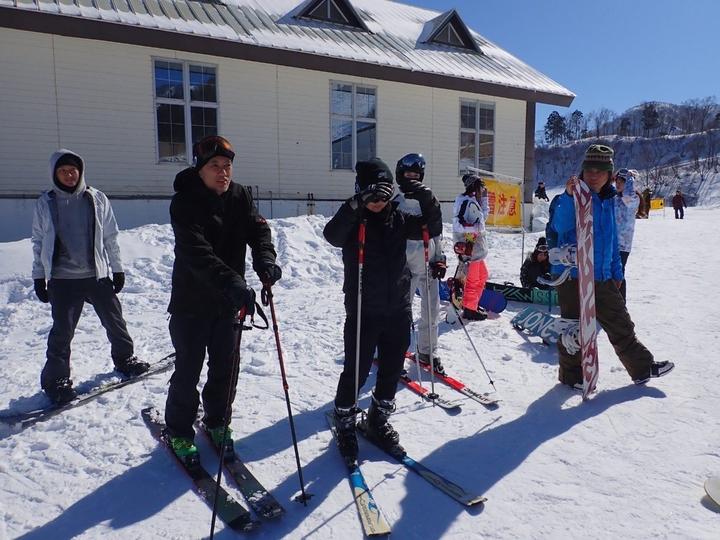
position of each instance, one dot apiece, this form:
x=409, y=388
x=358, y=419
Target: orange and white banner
x=505, y=201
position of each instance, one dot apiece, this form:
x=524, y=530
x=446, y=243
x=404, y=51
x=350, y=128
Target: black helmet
x=412, y=163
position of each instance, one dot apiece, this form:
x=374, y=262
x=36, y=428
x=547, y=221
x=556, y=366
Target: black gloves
x=242, y=297
x=375, y=193
x=41, y=290
x=438, y=269
x=118, y=281
x=414, y=189
x=270, y=274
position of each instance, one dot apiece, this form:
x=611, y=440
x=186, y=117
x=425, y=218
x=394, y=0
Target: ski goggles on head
x=211, y=146
x=624, y=174
x=541, y=249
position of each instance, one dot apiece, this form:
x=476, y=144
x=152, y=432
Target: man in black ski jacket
x=214, y=220
x=386, y=300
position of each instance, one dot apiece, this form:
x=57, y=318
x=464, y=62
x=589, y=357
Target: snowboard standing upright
x=586, y=285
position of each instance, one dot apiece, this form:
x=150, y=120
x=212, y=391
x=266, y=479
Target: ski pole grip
x=426, y=242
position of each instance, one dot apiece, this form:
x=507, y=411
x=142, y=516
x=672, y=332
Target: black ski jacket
x=212, y=233
x=386, y=277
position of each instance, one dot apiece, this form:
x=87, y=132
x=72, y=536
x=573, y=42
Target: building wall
x=96, y=98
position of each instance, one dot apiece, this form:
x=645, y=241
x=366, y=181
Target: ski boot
x=61, y=391
x=474, y=315
x=424, y=359
x=132, y=367
x=186, y=451
x=222, y=439
x=657, y=369
x=376, y=427
x=346, y=436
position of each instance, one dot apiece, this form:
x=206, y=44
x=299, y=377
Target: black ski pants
x=623, y=287
x=192, y=336
x=679, y=213
x=67, y=298
x=389, y=333
x=614, y=319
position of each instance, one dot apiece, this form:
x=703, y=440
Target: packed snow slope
x=629, y=463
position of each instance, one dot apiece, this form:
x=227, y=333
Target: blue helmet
x=410, y=163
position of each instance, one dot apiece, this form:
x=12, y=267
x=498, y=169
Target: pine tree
x=650, y=118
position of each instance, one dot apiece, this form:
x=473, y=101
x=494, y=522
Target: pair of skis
x=373, y=522
x=229, y=510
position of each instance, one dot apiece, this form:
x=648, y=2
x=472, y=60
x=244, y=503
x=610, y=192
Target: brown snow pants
x=614, y=318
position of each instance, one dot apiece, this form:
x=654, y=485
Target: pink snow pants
x=477, y=274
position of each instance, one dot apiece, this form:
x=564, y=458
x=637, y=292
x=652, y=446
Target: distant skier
x=412, y=167
x=609, y=305
x=536, y=265
x=540, y=192
x=76, y=259
x=679, y=205
x=469, y=214
x=214, y=221
x=385, y=299
x=626, y=204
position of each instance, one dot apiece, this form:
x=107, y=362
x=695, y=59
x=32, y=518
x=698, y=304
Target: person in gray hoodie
x=76, y=258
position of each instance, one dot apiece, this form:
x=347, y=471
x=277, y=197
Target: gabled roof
x=268, y=31
x=448, y=29
x=332, y=11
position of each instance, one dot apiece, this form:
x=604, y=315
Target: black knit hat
x=372, y=171
x=600, y=157
x=542, y=244
x=68, y=159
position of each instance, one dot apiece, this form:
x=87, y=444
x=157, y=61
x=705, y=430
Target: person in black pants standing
x=385, y=296
x=214, y=220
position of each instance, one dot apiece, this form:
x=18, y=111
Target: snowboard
x=712, y=488
x=528, y=295
x=452, y=290
x=586, y=285
x=541, y=323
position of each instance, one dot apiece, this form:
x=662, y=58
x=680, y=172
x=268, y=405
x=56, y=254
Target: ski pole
x=238, y=327
x=426, y=244
x=474, y=348
x=267, y=299
x=417, y=355
x=361, y=262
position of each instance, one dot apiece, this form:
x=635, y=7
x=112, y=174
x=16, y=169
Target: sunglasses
x=212, y=146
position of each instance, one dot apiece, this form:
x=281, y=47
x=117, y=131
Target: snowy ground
x=630, y=463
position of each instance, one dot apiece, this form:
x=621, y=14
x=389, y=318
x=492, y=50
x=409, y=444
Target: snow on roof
x=394, y=39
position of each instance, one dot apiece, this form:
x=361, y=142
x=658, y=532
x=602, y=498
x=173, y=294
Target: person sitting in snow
x=384, y=299
x=536, y=265
x=626, y=206
x=610, y=307
x=76, y=259
x=409, y=168
x=214, y=221
x=540, y=191
x=469, y=214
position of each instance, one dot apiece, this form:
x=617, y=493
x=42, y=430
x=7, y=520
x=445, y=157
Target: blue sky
x=610, y=53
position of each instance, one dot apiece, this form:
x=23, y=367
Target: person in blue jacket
x=610, y=307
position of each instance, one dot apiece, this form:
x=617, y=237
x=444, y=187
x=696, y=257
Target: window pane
x=467, y=115
x=366, y=138
x=341, y=133
x=168, y=80
x=341, y=99
x=336, y=15
x=202, y=84
x=171, y=132
x=487, y=118
x=485, y=154
x=365, y=102
x=204, y=122
x=467, y=150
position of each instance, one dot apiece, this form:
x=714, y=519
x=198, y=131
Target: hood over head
x=65, y=157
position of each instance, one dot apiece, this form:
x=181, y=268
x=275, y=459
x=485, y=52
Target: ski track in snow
x=629, y=463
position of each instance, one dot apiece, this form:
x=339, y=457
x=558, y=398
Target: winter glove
x=375, y=193
x=270, y=274
x=41, y=290
x=118, y=281
x=438, y=269
x=242, y=297
x=414, y=189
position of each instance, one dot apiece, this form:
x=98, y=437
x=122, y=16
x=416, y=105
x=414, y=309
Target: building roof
x=394, y=47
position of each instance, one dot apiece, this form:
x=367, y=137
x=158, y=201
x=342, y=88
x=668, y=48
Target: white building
x=301, y=89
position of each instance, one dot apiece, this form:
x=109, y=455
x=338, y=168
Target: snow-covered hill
x=629, y=463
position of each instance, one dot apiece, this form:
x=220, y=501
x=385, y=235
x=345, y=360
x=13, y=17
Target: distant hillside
x=690, y=163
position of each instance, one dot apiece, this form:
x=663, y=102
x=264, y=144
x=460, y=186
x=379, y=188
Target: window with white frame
x=353, y=124
x=186, y=108
x=477, y=135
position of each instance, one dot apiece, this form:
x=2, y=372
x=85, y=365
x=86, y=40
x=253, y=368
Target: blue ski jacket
x=605, y=239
